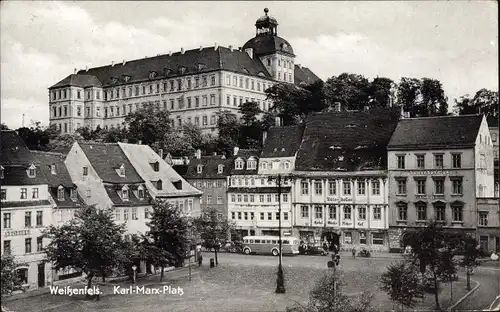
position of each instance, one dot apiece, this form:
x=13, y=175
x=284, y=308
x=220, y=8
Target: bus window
x=286, y=242
x=251, y=241
x=246, y=241
x=274, y=241
x=268, y=241
x=257, y=241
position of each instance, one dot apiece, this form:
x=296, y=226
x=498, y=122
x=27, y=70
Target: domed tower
x=275, y=52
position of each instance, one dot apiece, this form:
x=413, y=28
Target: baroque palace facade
x=193, y=85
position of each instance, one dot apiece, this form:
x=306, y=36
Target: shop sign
x=318, y=221
x=332, y=222
x=338, y=199
x=346, y=223
x=430, y=172
x=17, y=233
x=360, y=223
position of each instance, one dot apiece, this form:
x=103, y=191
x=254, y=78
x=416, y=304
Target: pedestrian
x=200, y=259
x=354, y=253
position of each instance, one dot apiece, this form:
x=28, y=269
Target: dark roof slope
x=492, y=121
x=78, y=80
x=304, y=75
x=18, y=175
x=106, y=159
x=210, y=168
x=436, y=132
x=282, y=141
x=61, y=175
x=13, y=151
x=268, y=44
x=347, y=141
x=190, y=62
x=245, y=154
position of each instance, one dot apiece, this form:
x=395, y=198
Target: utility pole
x=280, y=283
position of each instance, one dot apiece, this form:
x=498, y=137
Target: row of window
x=7, y=246
x=35, y=193
x=7, y=219
x=220, y=200
x=233, y=101
x=262, y=198
x=346, y=209
x=439, y=209
x=210, y=184
x=377, y=238
x=439, y=185
x=64, y=94
x=247, y=83
x=274, y=165
x=177, y=122
x=250, y=216
x=251, y=164
x=346, y=187
x=456, y=161
x=253, y=181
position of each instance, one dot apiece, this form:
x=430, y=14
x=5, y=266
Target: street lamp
x=190, y=246
x=134, y=268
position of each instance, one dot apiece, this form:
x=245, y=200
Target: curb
x=465, y=296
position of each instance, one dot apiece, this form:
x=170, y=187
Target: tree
x=249, y=112
x=63, y=142
x=168, y=234
x=229, y=131
x=483, y=102
x=463, y=106
x=434, y=101
x=380, y=92
x=251, y=128
x=91, y=242
x=328, y=295
x=433, y=251
x=10, y=280
x=470, y=256
x=350, y=90
x=37, y=137
x=287, y=99
x=3, y=126
x=193, y=135
x=402, y=283
x=408, y=94
x=148, y=125
x=213, y=228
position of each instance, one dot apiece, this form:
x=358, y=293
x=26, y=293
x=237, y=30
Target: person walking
x=354, y=253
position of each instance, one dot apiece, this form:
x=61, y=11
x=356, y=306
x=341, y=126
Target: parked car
x=313, y=251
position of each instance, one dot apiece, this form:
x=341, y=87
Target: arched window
x=122, y=170
x=60, y=193
x=140, y=192
x=199, y=168
x=125, y=192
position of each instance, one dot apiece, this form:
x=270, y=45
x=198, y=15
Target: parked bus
x=270, y=245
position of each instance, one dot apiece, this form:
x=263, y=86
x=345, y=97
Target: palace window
x=361, y=187
x=377, y=238
x=347, y=187
x=24, y=193
x=27, y=245
x=332, y=188
x=402, y=211
x=421, y=211
x=401, y=162
x=35, y=193
x=457, y=185
x=377, y=213
x=375, y=188
x=420, y=186
x=332, y=211
x=318, y=211
x=456, y=160
x=401, y=186
x=27, y=219
x=483, y=218
x=318, y=187
x=457, y=210
x=347, y=212
x=285, y=198
x=438, y=186
x=438, y=161
x=439, y=209
x=233, y=198
x=420, y=161
x=304, y=211
x=7, y=220
x=304, y=185
x=362, y=213
x=39, y=218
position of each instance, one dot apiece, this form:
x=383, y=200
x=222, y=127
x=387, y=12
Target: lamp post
x=134, y=268
x=280, y=281
x=190, y=246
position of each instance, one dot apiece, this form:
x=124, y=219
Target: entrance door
x=41, y=274
x=483, y=242
x=497, y=244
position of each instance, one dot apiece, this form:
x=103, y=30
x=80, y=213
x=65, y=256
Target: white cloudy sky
x=42, y=42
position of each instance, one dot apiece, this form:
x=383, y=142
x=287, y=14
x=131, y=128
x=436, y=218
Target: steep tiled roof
x=261, y=190
x=210, y=168
x=13, y=151
x=113, y=191
x=245, y=154
x=268, y=44
x=304, y=75
x=106, y=159
x=492, y=121
x=282, y=141
x=436, y=132
x=143, y=157
x=18, y=175
x=78, y=80
x=190, y=62
x=347, y=141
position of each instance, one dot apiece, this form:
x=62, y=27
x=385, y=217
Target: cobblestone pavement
x=482, y=298
x=239, y=283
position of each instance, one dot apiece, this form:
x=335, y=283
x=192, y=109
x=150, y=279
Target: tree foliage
x=380, y=92
x=91, y=242
x=148, y=125
x=10, y=280
x=213, y=228
x=422, y=97
x=168, y=235
x=37, y=137
x=229, y=131
x=484, y=102
x=402, y=283
x=352, y=91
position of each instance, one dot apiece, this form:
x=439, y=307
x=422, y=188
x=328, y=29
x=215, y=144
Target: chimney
x=182, y=50
x=197, y=154
x=201, y=48
x=112, y=63
x=231, y=48
x=300, y=66
x=264, y=137
x=86, y=68
x=75, y=71
x=216, y=46
x=123, y=63
x=140, y=142
x=277, y=122
x=403, y=114
x=236, y=149
x=161, y=153
x=169, y=53
x=249, y=51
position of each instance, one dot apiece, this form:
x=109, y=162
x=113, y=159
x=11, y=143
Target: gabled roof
x=106, y=159
x=61, y=176
x=13, y=151
x=209, y=169
x=304, y=75
x=114, y=191
x=347, y=141
x=78, y=80
x=245, y=154
x=436, y=132
x=142, y=157
x=190, y=62
x=282, y=141
x=17, y=175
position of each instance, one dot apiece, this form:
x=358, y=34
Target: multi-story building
x=209, y=175
x=193, y=85
x=162, y=181
x=340, y=190
x=493, y=126
x=63, y=195
x=253, y=198
x=488, y=224
x=26, y=210
x=438, y=166
x=106, y=178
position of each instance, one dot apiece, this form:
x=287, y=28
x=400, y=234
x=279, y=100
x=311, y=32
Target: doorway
x=41, y=274
x=332, y=238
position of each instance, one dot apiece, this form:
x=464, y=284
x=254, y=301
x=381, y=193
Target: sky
x=42, y=42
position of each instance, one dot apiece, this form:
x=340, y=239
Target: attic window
x=1, y=172
x=152, y=75
x=32, y=171
x=199, y=168
x=261, y=74
x=53, y=169
x=156, y=166
x=121, y=172
x=239, y=164
x=159, y=185
x=114, y=80
x=72, y=194
x=125, y=192
x=177, y=184
x=245, y=70
x=140, y=192
x=60, y=193
x=251, y=164
x=126, y=78
x=182, y=70
x=220, y=168
x=200, y=66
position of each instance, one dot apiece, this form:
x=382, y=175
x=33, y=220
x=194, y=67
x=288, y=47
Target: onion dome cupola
x=266, y=40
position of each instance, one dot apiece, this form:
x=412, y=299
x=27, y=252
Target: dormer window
x=199, y=168
x=159, y=185
x=114, y=80
x=220, y=169
x=121, y=171
x=168, y=71
x=152, y=75
x=1, y=172
x=287, y=165
x=60, y=193
x=264, y=165
x=200, y=66
x=32, y=171
x=182, y=70
x=239, y=164
x=53, y=169
x=126, y=78
x=251, y=163
x=177, y=184
x=72, y=194
x=140, y=192
x=125, y=192
x=156, y=166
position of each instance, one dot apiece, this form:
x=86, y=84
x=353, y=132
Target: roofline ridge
x=446, y=116
x=47, y=152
